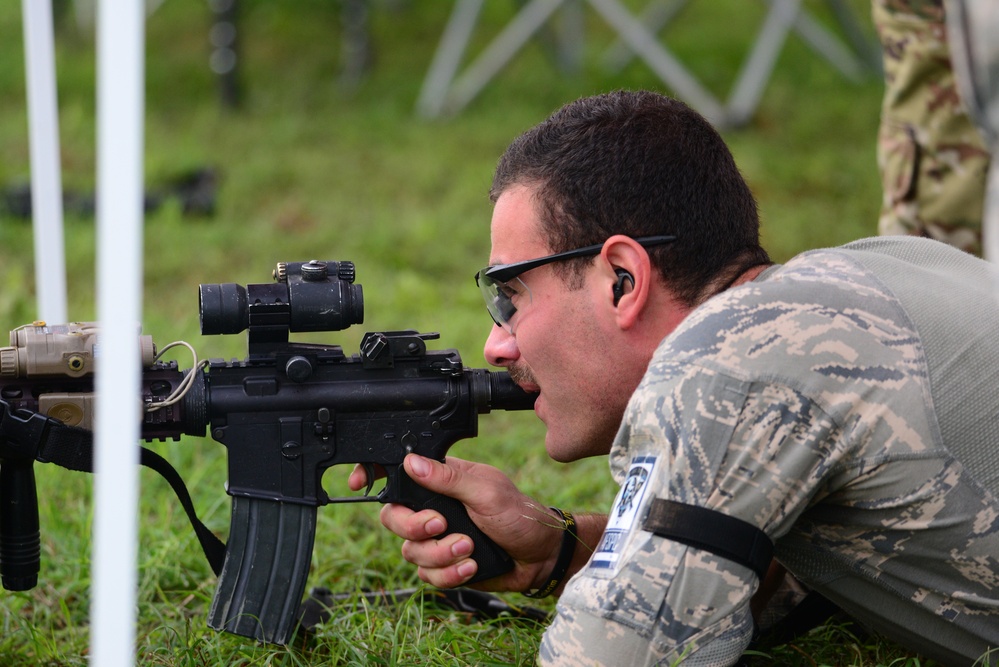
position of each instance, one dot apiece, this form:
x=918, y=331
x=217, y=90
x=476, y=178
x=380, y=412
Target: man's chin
x=559, y=450
x=568, y=447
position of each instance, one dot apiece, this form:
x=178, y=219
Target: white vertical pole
x=120, y=105
x=46, y=182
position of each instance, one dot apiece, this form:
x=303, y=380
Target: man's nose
x=501, y=347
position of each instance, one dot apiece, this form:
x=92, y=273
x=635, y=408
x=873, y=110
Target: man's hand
x=523, y=527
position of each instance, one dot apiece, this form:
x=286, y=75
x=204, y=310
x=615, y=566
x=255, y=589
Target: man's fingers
x=443, y=561
x=360, y=479
x=435, y=476
x=449, y=577
x=495, y=506
x=447, y=551
x=411, y=525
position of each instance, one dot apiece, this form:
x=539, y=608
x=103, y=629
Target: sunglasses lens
x=498, y=298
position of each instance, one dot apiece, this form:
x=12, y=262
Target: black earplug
x=622, y=275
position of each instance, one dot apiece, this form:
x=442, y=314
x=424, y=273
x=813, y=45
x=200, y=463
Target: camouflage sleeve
x=931, y=156
x=753, y=450
x=802, y=404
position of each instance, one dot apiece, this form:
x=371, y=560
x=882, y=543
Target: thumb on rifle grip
x=491, y=558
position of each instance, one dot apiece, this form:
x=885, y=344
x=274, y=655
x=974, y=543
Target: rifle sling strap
x=73, y=448
x=720, y=534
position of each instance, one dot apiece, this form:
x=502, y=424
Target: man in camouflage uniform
x=871, y=489
x=931, y=156
x=972, y=26
x=841, y=407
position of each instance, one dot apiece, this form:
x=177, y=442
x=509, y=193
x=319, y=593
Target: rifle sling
x=72, y=448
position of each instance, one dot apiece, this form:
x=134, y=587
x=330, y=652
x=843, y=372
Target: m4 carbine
x=286, y=413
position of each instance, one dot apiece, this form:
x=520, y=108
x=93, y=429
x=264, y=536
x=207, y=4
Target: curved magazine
x=266, y=566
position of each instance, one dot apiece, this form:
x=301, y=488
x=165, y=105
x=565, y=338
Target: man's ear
x=631, y=278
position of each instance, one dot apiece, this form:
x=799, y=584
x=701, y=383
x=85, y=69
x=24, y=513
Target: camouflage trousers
x=932, y=159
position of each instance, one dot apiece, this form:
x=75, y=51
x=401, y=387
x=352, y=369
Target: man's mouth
x=524, y=378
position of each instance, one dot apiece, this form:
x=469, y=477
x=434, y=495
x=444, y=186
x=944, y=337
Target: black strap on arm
x=710, y=530
x=73, y=448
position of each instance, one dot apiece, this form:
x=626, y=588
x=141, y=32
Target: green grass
x=312, y=168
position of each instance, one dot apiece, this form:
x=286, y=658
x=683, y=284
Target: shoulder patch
x=621, y=521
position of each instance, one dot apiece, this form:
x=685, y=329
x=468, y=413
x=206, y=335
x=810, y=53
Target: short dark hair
x=641, y=164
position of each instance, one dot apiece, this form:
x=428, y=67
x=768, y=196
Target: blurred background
x=310, y=139
x=313, y=144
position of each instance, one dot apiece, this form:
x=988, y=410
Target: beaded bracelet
x=565, y=554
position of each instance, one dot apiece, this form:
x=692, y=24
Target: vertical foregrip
x=266, y=566
x=20, y=545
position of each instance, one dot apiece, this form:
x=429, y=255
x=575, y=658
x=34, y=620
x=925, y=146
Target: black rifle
x=286, y=413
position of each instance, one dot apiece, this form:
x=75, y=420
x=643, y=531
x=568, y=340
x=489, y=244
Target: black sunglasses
x=492, y=279
x=505, y=272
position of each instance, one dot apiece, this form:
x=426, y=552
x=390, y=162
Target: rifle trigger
x=369, y=471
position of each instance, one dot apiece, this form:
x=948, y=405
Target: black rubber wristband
x=565, y=554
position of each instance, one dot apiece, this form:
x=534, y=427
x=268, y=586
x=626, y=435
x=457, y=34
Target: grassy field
x=310, y=166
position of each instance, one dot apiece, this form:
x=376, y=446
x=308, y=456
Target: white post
x=46, y=182
x=120, y=104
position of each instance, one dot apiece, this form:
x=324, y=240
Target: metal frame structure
x=445, y=91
